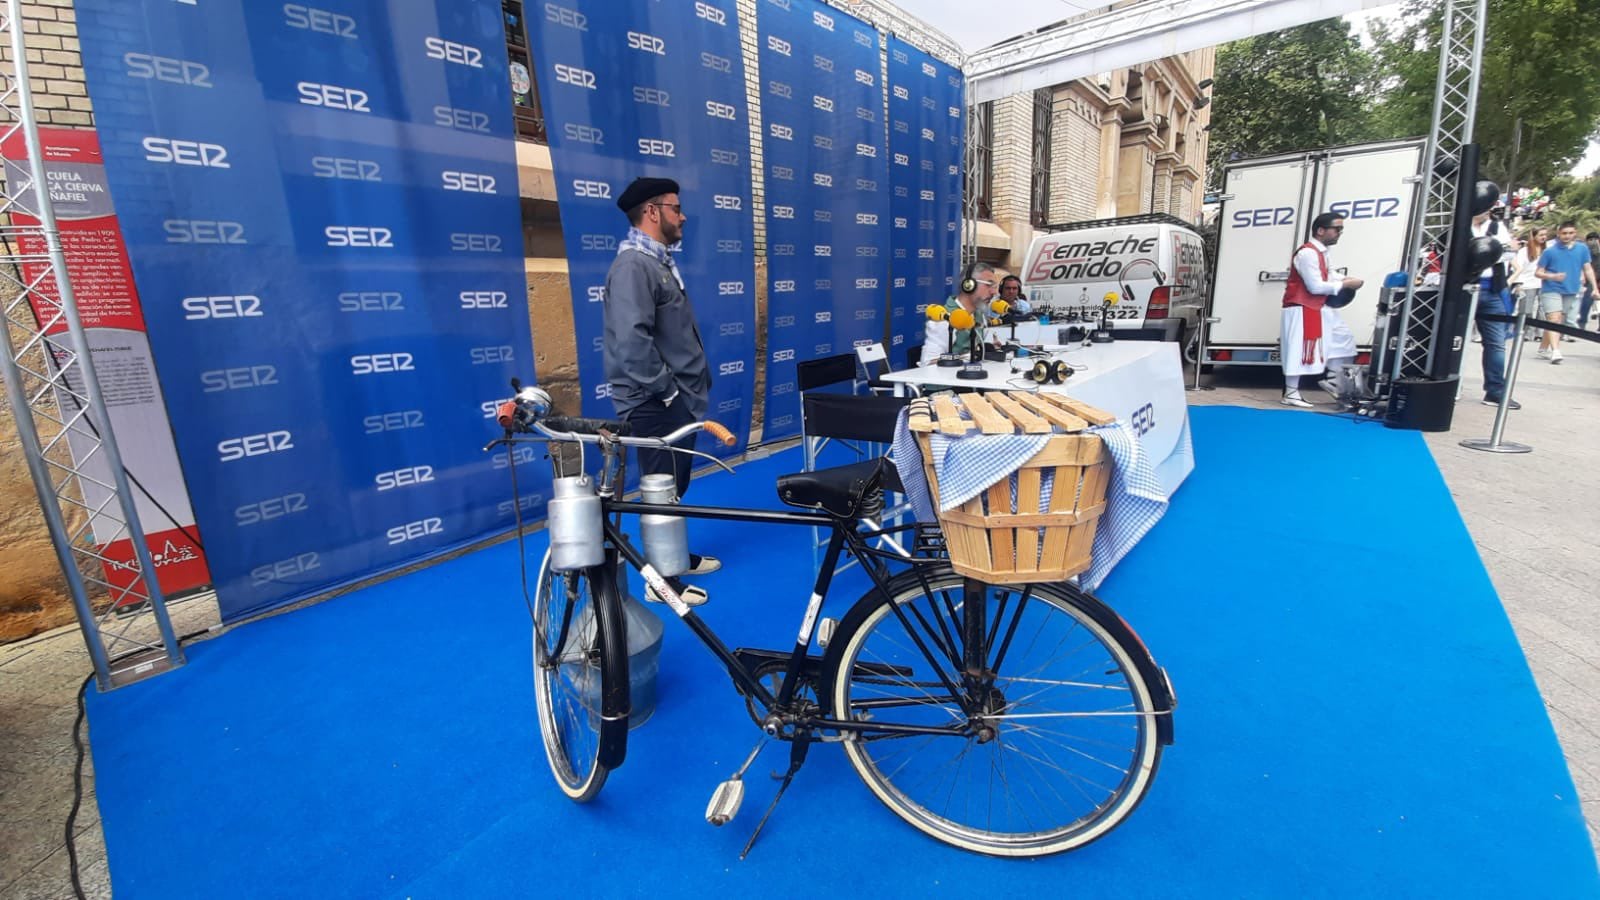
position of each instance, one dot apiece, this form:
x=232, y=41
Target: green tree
x=1541, y=64
x=1296, y=89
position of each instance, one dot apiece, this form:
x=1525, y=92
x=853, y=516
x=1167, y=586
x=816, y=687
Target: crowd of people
x=1549, y=273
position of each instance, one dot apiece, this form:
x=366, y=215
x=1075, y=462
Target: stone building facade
x=1122, y=143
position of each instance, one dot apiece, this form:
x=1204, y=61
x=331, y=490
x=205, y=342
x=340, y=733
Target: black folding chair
x=865, y=423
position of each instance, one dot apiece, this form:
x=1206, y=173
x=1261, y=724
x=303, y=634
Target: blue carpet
x=1355, y=719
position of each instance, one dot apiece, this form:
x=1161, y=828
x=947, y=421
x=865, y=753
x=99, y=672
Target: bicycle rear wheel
x=580, y=676
x=1050, y=746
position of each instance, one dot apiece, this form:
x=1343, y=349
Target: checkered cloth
x=967, y=466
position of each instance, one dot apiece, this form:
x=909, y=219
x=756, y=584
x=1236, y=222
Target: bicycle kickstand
x=797, y=756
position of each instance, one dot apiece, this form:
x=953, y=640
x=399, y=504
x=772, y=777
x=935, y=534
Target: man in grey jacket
x=654, y=359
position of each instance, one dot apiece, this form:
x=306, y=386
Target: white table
x=1139, y=382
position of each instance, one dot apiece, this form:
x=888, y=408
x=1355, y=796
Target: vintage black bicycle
x=1011, y=720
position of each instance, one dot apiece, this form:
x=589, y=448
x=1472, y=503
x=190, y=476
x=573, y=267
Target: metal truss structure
x=61, y=415
x=1421, y=331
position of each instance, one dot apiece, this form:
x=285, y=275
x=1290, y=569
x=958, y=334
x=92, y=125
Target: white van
x=1155, y=264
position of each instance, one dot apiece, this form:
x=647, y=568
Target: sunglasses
x=675, y=207
x=1334, y=228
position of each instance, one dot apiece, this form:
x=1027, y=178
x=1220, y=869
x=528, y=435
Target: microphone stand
x=1102, y=335
x=974, y=370
x=949, y=359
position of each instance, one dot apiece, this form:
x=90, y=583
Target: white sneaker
x=1331, y=386
x=1555, y=357
x=1544, y=353
x=1294, y=399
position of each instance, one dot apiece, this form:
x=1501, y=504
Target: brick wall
x=1013, y=158
x=1074, y=157
x=55, y=68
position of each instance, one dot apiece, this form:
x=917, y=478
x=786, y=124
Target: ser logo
x=730, y=368
x=823, y=103
x=595, y=190
x=359, y=236
x=238, y=378
x=647, y=43
x=710, y=13
x=823, y=316
x=584, y=134
x=866, y=184
x=866, y=218
x=343, y=169
x=866, y=315
x=730, y=245
x=185, y=153
x=927, y=103
x=405, y=420
x=779, y=45
x=523, y=504
x=865, y=39
x=309, y=18
x=597, y=242
x=785, y=387
x=267, y=510
x=783, y=321
x=780, y=89
x=452, y=52
x=285, y=569
x=784, y=286
x=927, y=134
x=783, y=173
x=575, y=76
x=602, y=391
x=519, y=456
x=782, y=355
x=728, y=406
x=901, y=159
x=866, y=115
x=866, y=251
x=165, y=68
x=822, y=250
x=203, y=231
x=483, y=300
x=927, y=195
x=382, y=363
x=651, y=96
x=483, y=356
x=570, y=18
x=822, y=179
x=333, y=96
x=466, y=242
x=240, y=306
x=900, y=93
x=822, y=20
x=781, y=421
x=721, y=111
x=1143, y=419
x=781, y=132
x=724, y=157
x=822, y=284
x=730, y=289
x=234, y=449
x=929, y=70
x=656, y=147
x=901, y=57
x=865, y=77
x=468, y=182
x=716, y=63
x=371, y=301
x=462, y=119
x=783, y=212
x=781, y=249
x=866, y=150
x=822, y=142
x=411, y=531
x=727, y=202
x=729, y=329
x=898, y=340
x=406, y=477
x=822, y=62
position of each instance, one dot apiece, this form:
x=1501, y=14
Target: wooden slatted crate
x=995, y=540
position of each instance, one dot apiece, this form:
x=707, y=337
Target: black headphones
x=1050, y=371
x=969, y=284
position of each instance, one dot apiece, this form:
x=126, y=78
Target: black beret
x=644, y=189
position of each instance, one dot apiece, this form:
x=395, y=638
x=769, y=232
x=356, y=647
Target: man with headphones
x=977, y=288
x=1011, y=293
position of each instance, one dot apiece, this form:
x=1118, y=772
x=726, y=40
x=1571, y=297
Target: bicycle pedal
x=725, y=801
x=691, y=595
x=825, y=630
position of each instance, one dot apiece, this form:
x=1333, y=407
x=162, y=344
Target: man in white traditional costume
x=1314, y=337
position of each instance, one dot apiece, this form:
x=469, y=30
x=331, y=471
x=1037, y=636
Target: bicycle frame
x=841, y=538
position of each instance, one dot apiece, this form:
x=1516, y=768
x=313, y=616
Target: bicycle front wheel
x=580, y=665
x=1046, y=747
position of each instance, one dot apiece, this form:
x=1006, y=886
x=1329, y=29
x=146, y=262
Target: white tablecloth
x=1139, y=382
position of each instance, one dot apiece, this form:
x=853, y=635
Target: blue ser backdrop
x=927, y=123
x=636, y=88
x=827, y=193
x=322, y=213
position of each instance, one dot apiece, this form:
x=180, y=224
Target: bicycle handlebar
x=528, y=412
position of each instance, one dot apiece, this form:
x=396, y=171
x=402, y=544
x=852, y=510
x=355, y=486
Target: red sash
x=1296, y=294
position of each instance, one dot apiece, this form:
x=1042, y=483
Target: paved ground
x=1535, y=518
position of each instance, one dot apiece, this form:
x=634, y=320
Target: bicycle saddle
x=841, y=491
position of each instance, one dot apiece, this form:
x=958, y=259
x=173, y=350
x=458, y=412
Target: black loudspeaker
x=1421, y=404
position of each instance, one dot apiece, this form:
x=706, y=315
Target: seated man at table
x=977, y=288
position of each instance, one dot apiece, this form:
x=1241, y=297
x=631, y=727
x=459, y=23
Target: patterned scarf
x=644, y=243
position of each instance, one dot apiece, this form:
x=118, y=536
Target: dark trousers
x=655, y=419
